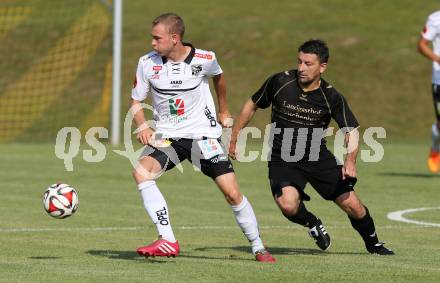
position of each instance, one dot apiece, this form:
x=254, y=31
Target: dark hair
x=173, y=21
x=318, y=47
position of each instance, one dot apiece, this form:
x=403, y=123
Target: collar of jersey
x=188, y=58
x=323, y=85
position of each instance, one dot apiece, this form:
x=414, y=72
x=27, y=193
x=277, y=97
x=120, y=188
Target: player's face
x=309, y=68
x=162, y=41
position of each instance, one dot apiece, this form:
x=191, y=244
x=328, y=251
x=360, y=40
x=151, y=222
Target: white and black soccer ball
x=60, y=200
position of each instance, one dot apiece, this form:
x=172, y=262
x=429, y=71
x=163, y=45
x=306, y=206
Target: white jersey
x=431, y=32
x=182, y=100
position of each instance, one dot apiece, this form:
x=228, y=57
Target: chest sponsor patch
x=177, y=107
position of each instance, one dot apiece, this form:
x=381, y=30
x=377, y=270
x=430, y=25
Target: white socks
x=435, y=138
x=244, y=214
x=157, y=208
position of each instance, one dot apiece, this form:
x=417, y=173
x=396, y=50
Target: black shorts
x=436, y=100
x=174, y=151
x=325, y=176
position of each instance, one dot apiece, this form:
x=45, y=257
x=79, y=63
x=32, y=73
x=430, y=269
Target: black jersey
x=301, y=117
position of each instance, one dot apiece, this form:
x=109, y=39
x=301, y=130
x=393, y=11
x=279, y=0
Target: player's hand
x=225, y=119
x=232, y=151
x=348, y=170
x=146, y=136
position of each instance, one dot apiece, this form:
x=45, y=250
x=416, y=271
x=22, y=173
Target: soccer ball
x=60, y=200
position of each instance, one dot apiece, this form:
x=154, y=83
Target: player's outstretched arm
x=247, y=112
x=144, y=132
x=424, y=48
x=224, y=116
x=352, y=145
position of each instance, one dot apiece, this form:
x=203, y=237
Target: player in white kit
x=431, y=33
x=186, y=127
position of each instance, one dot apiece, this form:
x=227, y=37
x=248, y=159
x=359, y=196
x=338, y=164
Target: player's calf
x=366, y=228
x=316, y=229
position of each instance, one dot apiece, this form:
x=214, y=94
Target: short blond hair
x=173, y=21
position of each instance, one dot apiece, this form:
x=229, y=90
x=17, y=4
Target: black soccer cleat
x=379, y=249
x=320, y=236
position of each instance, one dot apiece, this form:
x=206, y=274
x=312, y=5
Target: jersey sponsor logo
x=203, y=56
x=196, y=69
x=177, y=107
x=210, y=117
x=298, y=109
x=156, y=70
x=175, y=84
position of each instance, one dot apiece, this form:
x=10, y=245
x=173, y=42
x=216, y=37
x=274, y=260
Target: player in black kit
x=302, y=106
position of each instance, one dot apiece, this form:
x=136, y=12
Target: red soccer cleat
x=160, y=247
x=434, y=161
x=264, y=256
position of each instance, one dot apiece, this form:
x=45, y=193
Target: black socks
x=303, y=217
x=365, y=227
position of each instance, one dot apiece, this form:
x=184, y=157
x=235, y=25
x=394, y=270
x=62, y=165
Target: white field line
x=103, y=229
x=98, y=229
x=398, y=216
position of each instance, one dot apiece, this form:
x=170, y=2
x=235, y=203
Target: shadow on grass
x=409, y=174
x=130, y=255
x=223, y=251
x=44, y=257
x=225, y=257
x=127, y=255
x=279, y=250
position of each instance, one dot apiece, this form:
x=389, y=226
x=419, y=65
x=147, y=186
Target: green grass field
x=98, y=242
x=374, y=63
x=374, y=60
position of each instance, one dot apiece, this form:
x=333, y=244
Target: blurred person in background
x=431, y=34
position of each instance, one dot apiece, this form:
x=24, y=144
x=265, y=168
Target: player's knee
x=353, y=209
x=288, y=209
x=356, y=211
x=137, y=176
x=288, y=205
x=141, y=175
x=234, y=197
